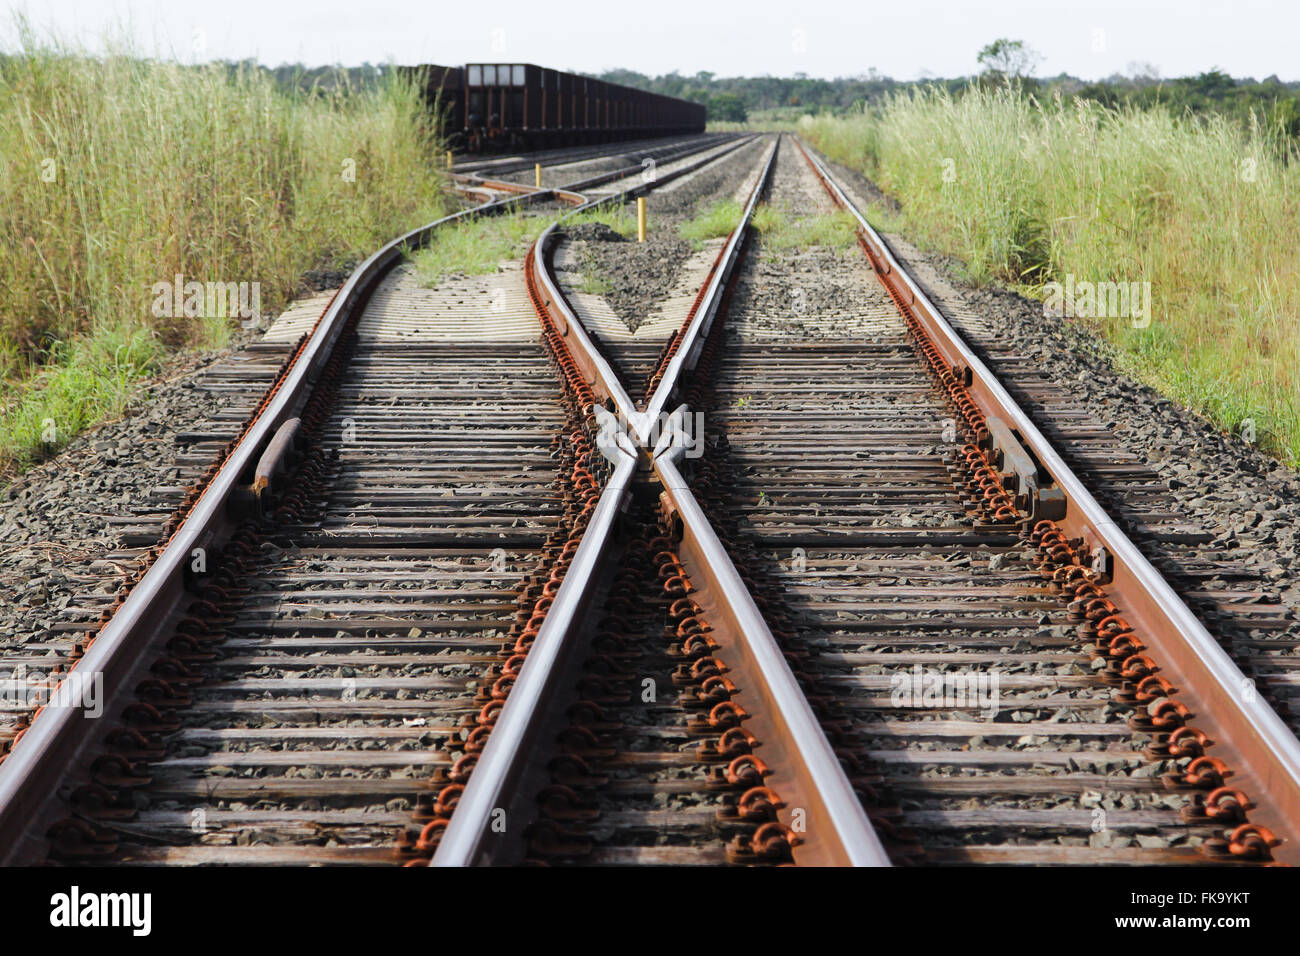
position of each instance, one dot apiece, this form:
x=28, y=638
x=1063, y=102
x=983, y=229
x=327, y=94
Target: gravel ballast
x=640, y=274
x=57, y=518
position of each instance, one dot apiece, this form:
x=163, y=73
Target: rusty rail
x=500, y=782
x=817, y=801
x=1141, y=618
x=819, y=807
x=473, y=834
x=115, y=659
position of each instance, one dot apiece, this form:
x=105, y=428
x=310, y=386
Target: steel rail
x=600, y=374
x=560, y=156
x=476, y=831
x=688, y=351
x=474, y=835
x=1249, y=735
x=838, y=830
x=834, y=829
x=115, y=660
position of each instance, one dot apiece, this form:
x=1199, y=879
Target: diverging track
x=915, y=615
x=337, y=602
x=480, y=602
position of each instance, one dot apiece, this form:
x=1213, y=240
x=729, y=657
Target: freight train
x=494, y=107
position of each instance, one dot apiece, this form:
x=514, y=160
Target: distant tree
x=1272, y=102
x=728, y=107
x=1213, y=85
x=1008, y=59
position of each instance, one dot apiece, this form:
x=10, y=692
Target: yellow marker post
x=640, y=218
x=537, y=172
x=449, y=159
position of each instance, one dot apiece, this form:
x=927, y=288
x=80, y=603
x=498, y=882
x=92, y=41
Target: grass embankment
x=1205, y=210
x=118, y=173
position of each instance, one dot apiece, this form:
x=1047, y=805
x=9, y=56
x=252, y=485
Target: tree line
x=1002, y=61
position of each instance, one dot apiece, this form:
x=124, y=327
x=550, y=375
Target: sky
x=905, y=39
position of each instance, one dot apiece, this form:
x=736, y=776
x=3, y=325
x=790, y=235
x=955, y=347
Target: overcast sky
x=905, y=39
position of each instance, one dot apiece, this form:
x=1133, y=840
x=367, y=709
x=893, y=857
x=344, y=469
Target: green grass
x=595, y=284
x=1026, y=192
x=474, y=246
x=118, y=172
x=83, y=382
x=714, y=222
x=782, y=232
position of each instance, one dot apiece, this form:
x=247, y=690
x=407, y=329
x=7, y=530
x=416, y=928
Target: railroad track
x=515, y=604
x=348, y=614
x=558, y=159
x=486, y=182
x=920, y=570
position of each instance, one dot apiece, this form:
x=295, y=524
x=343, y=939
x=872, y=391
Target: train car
x=444, y=91
x=520, y=106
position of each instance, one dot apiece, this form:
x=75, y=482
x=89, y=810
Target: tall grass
x=1027, y=192
x=118, y=172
